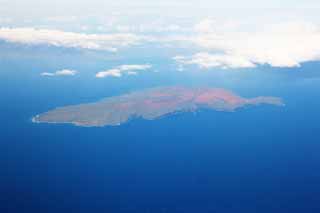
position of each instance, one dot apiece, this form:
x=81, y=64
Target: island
x=150, y=104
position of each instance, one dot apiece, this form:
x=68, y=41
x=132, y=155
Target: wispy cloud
x=64, y=72
x=32, y=36
x=130, y=69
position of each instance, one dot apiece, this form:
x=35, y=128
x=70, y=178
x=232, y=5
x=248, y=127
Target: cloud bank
x=64, y=72
x=281, y=45
x=120, y=70
x=32, y=36
x=217, y=43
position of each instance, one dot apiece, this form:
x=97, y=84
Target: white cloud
x=134, y=67
x=130, y=69
x=281, y=45
x=63, y=72
x=107, y=73
x=47, y=74
x=206, y=60
x=59, y=38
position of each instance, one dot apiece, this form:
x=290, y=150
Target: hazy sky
x=17, y=8
x=227, y=34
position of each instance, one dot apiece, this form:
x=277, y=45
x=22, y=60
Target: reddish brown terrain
x=150, y=104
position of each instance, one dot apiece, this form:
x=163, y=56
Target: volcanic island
x=150, y=104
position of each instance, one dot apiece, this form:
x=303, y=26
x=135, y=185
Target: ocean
x=256, y=160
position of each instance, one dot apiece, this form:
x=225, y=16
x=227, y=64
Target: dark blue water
x=259, y=159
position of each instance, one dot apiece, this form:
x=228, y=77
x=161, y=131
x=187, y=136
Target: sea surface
x=256, y=160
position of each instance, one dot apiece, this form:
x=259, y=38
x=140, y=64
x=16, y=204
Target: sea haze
x=258, y=159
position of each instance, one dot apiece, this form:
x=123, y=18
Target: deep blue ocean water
x=257, y=160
